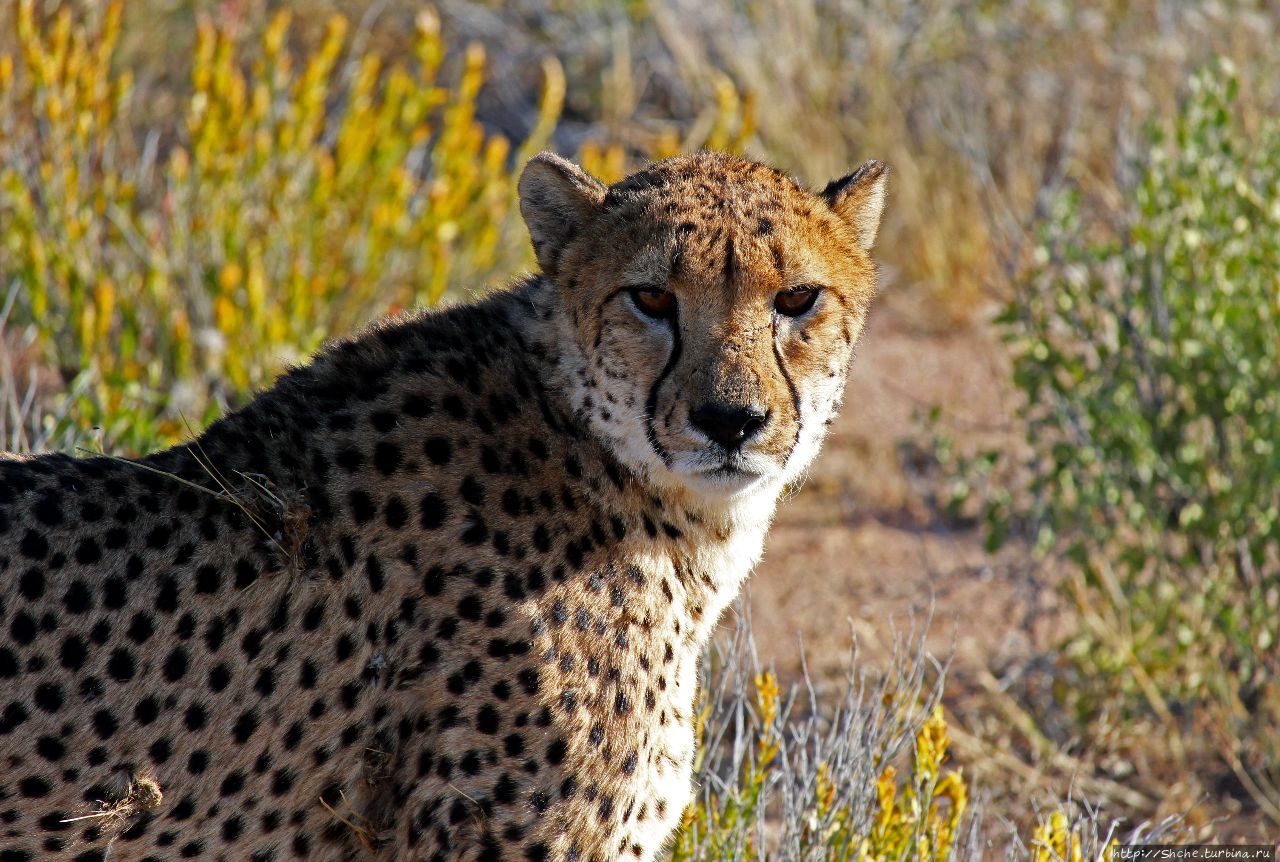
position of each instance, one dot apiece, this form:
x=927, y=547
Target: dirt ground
x=862, y=545
x=863, y=548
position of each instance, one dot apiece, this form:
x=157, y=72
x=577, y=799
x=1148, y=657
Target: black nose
x=730, y=425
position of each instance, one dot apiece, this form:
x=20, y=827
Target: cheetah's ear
x=556, y=198
x=859, y=199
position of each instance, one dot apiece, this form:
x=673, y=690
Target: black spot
x=573, y=554
x=31, y=584
x=77, y=599
x=208, y=579
x=439, y=450
x=487, y=719
x=159, y=537
x=470, y=762
x=470, y=608
x=104, y=724
x=141, y=628
x=417, y=406
x=513, y=586
x=476, y=531
x=433, y=511
x=396, y=513
x=115, y=594
x=246, y=573
x=175, y=665
x=121, y=665
x=453, y=405
x=350, y=459
x=433, y=582
x=505, y=790
x=528, y=679
x=373, y=569
x=48, y=510
x=50, y=749
x=160, y=751
x=362, y=507
x=472, y=491
x=251, y=643
x=219, y=677
x=167, y=596
x=49, y=697
x=314, y=616
x=34, y=787
x=232, y=784
x=72, y=655
x=245, y=725
x=88, y=552
x=387, y=457
x=14, y=715
x=9, y=664
x=383, y=421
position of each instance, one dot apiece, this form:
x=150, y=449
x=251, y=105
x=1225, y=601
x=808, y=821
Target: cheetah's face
x=715, y=305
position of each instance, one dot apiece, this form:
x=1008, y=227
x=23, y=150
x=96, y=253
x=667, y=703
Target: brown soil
x=864, y=548
x=863, y=545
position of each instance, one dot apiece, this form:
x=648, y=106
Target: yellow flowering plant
x=294, y=197
x=826, y=782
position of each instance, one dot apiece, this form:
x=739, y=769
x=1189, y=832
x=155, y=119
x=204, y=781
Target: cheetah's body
x=424, y=599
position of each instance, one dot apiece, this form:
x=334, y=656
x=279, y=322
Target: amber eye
x=795, y=301
x=654, y=302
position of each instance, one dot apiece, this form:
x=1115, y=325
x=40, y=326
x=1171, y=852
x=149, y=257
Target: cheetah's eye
x=654, y=302
x=795, y=301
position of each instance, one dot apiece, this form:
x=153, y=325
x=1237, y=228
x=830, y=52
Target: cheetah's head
x=715, y=305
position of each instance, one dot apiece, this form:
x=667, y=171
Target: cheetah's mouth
x=731, y=471
x=724, y=474
x=727, y=480
x=728, y=477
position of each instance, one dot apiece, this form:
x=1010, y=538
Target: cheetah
x=441, y=593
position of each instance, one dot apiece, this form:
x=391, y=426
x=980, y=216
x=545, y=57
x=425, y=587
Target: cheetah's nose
x=730, y=425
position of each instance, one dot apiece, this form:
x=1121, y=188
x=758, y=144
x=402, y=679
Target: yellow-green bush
x=295, y=197
x=1146, y=348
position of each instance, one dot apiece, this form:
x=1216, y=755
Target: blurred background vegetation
x=195, y=193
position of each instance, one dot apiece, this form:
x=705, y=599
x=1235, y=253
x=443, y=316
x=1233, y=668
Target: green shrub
x=1148, y=349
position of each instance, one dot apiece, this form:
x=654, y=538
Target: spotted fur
x=439, y=594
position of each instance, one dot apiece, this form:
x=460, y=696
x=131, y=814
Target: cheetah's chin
x=726, y=482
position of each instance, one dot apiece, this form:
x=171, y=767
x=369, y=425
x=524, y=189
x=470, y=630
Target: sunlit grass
x=295, y=197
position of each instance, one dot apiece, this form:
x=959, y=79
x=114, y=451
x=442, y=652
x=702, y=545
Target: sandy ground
x=864, y=548
x=862, y=544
